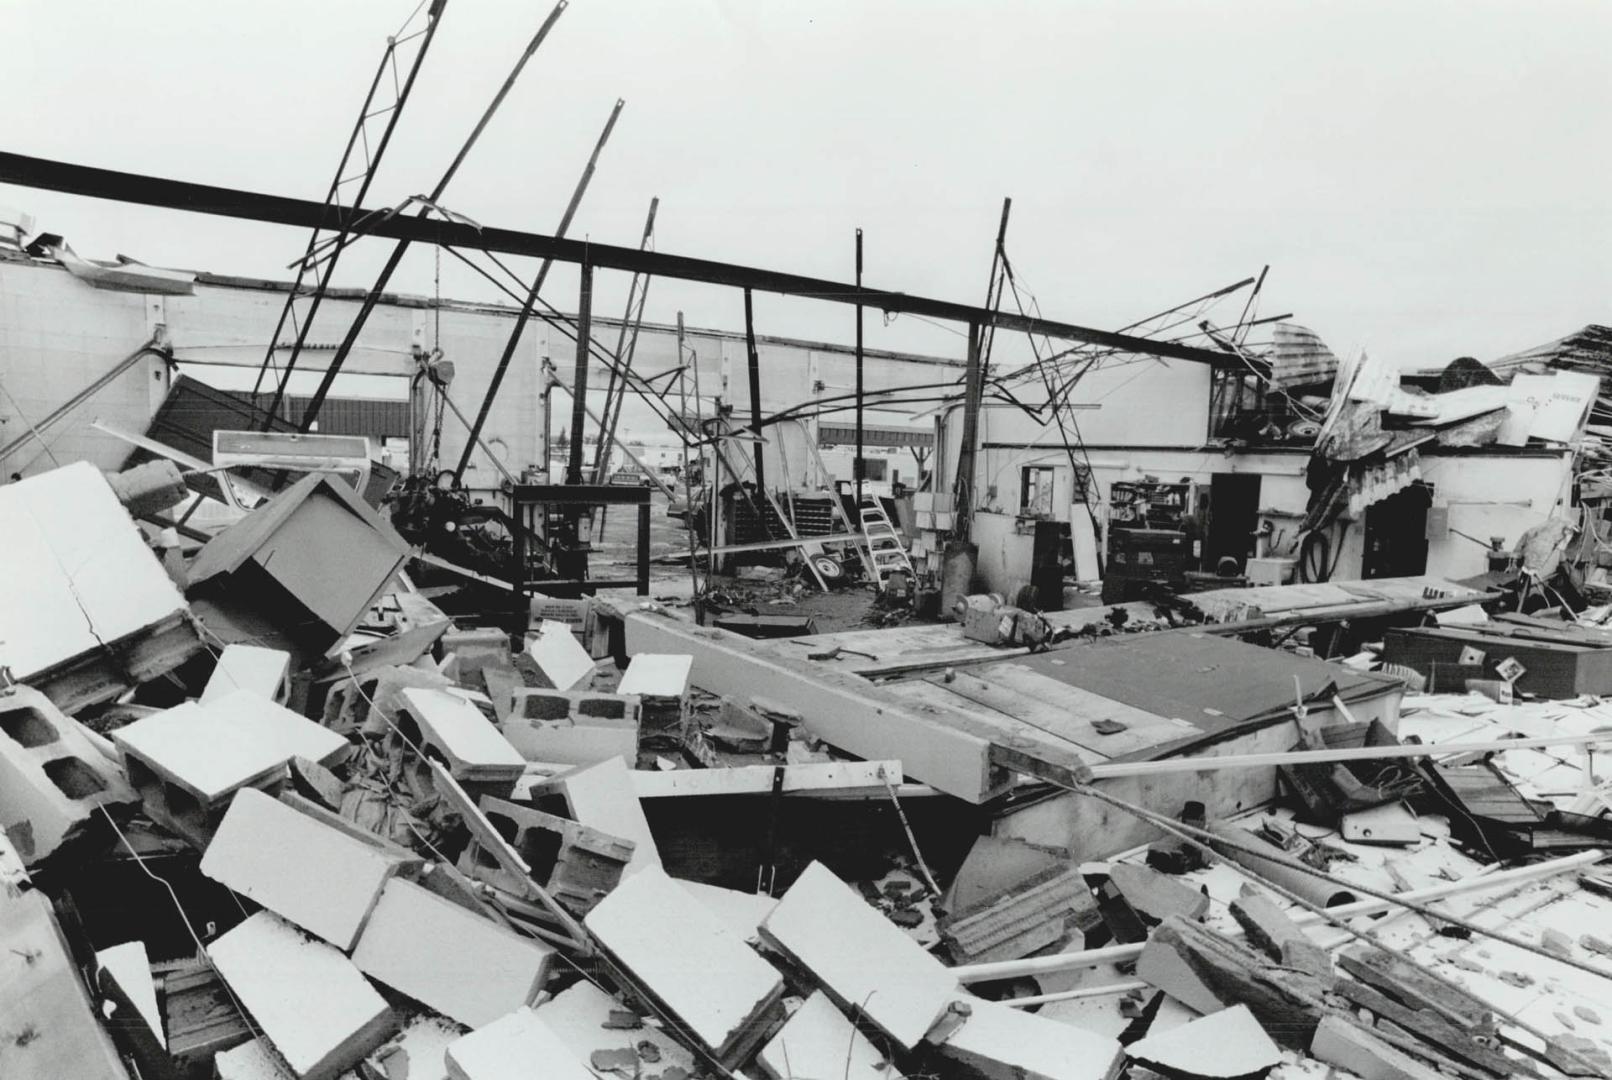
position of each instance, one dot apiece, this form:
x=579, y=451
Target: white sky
x=1427, y=179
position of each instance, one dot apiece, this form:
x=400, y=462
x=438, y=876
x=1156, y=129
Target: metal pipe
x=525, y=313
x=373, y=297
x=612, y=410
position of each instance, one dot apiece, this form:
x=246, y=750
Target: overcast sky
x=1426, y=179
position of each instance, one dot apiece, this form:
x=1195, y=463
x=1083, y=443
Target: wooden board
x=1069, y=711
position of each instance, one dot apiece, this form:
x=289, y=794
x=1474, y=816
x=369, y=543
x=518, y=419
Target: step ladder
x=885, y=549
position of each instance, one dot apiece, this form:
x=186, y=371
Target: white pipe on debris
x=1208, y=763
x=1042, y=965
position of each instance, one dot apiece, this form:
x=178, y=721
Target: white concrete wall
x=58, y=334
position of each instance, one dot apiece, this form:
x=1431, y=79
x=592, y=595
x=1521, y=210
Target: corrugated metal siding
x=376, y=417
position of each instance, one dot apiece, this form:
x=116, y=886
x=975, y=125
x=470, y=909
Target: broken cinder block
x=576, y=864
x=864, y=961
x=514, y=1047
x=560, y=660
x=602, y=797
x=1004, y=1043
x=699, y=969
x=51, y=777
x=475, y=751
x=265, y=672
x=817, y=1040
x=583, y=1016
x=296, y=860
x=460, y=964
x=315, y=1008
x=573, y=727
x=186, y=763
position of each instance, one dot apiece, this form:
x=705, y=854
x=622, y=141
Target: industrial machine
x=989, y=618
x=1153, y=537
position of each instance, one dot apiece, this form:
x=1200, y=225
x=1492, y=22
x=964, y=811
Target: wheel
x=829, y=567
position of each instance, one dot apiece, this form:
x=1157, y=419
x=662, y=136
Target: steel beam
x=46, y=175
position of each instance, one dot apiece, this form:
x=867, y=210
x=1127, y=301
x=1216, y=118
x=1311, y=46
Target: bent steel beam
x=70, y=179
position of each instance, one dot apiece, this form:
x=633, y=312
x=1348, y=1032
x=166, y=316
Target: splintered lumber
x=1496, y=882
x=310, y=1002
x=1229, y=1043
x=1270, y=930
x=1209, y=972
x=1431, y=1028
x=689, y=960
x=864, y=961
x=1416, y=988
x=1025, y=918
x=844, y=710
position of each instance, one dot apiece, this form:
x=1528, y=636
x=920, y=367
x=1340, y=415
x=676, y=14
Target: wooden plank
x=849, y=712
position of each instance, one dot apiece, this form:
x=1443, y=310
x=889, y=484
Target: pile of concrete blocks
x=53, y=777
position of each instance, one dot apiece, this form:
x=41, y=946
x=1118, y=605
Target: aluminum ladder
x=885, y=549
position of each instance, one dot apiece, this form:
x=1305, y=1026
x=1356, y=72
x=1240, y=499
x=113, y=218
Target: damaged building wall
x=1154, y=425
x=58, y=335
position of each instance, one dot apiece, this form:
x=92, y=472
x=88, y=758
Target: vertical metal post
x=579, y=380
x=858, y=468
x=643, y=548
x=755, y=389
x=688, y=488
x=963, y=483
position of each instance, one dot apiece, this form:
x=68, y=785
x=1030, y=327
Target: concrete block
x=602, y=797
x=255, y=1060
x=742, y=912
x=1157, y=896
x=51, y=776
x=819, y=1041
x=473, y=748
x=289, y=733
x=578, y=865
x=129, y=967
x=1350, y=1047
x=310, y=1002
x=573, y=727
x=458, y=963
x=657, y=675
x=1003, y=1043
x=265, y=672
x=514, y=1047
x=1229, y=1043
x=563, y=662
x=294, y=861
x=79, y=574
x=418, y=1052
x=862, y=959
x=579, y=1015
x=49, y=1025
x=188, y=746
x=477, y=649
x=700, y=970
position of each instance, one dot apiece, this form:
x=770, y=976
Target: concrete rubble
x=374, y=844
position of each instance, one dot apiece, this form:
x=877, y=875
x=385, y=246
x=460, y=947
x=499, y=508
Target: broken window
x=1035, y=490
